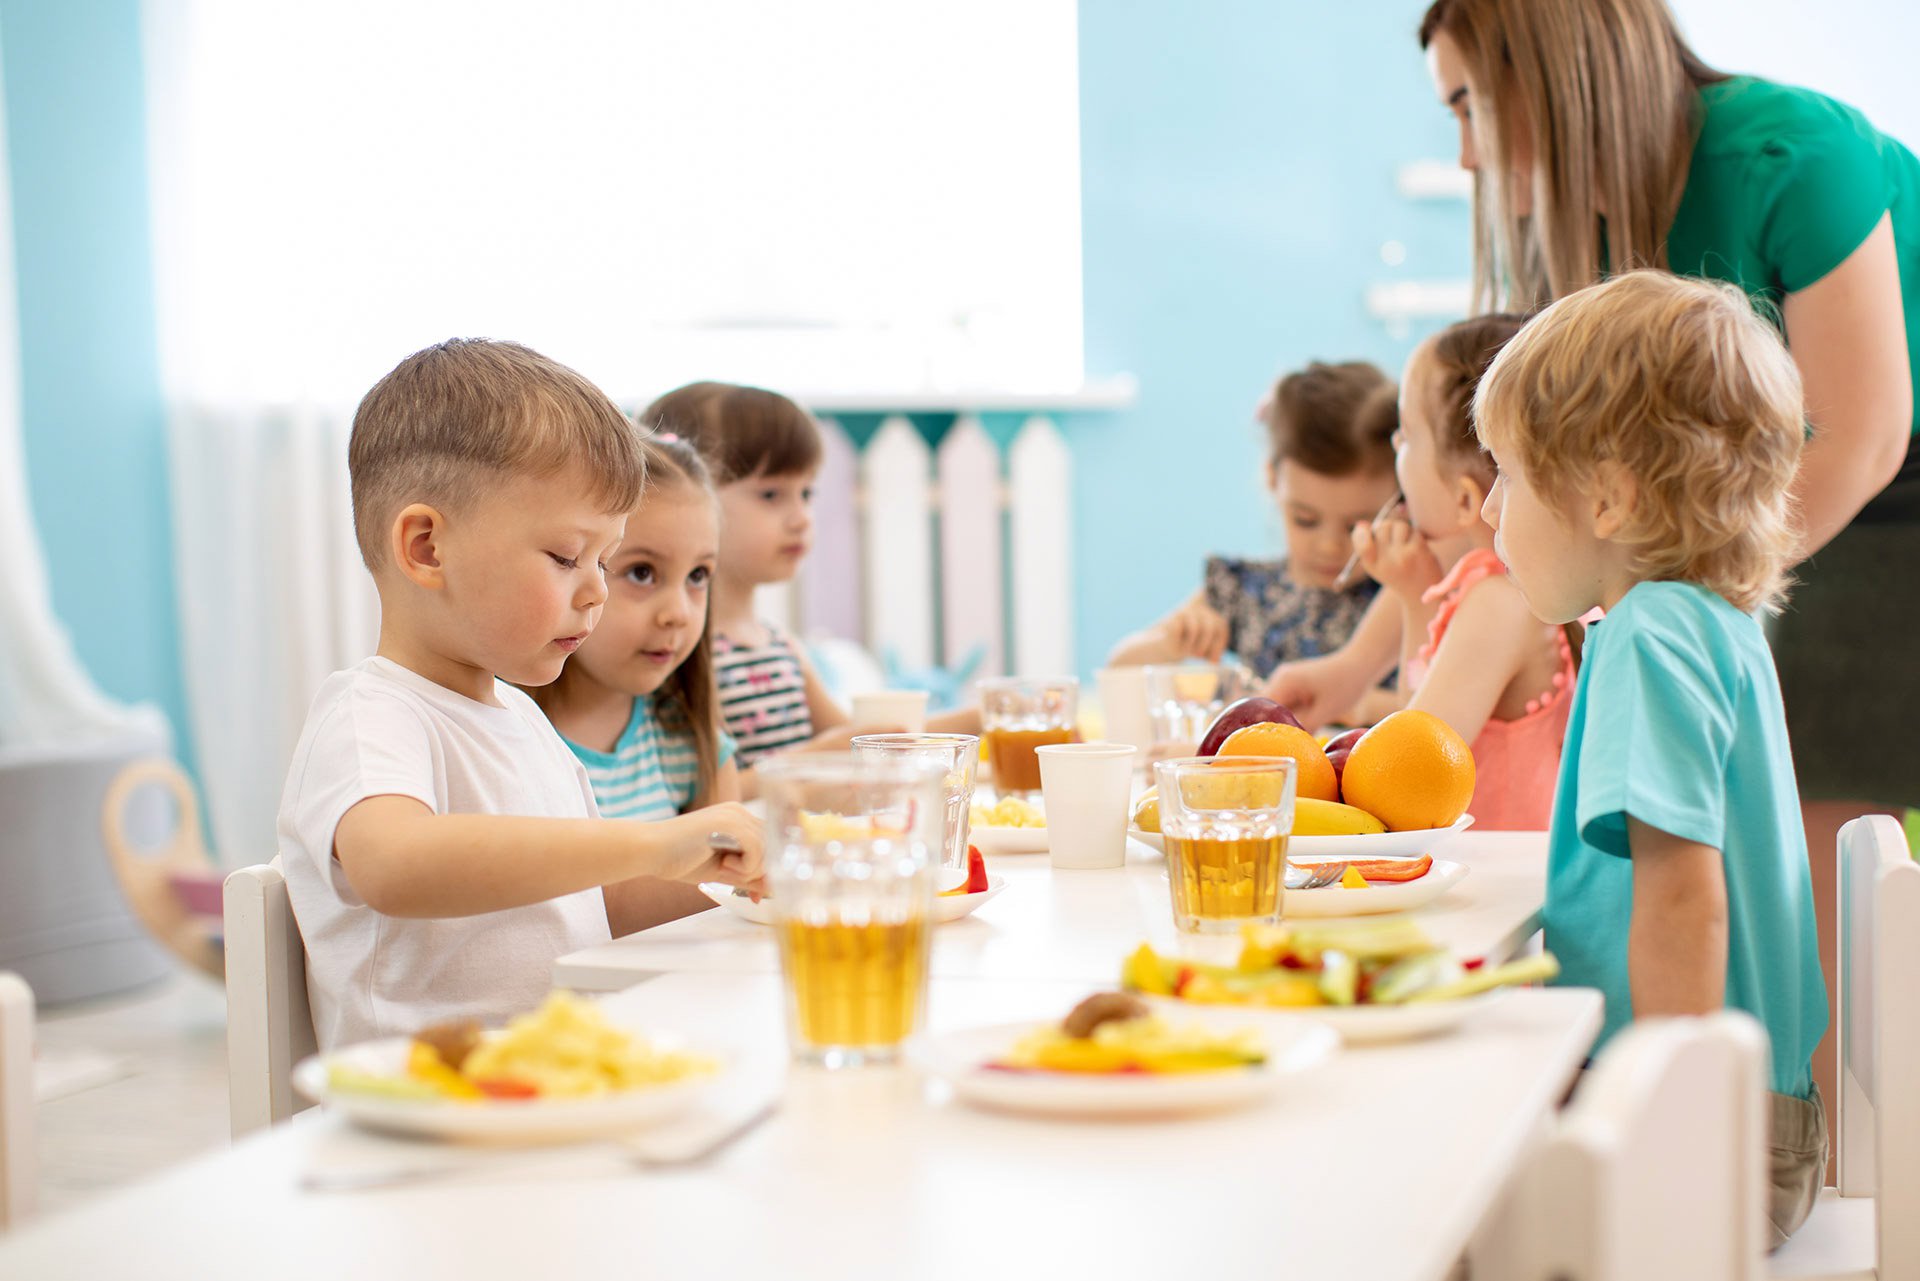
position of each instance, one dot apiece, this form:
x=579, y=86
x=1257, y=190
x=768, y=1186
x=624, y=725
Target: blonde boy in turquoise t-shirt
x=1646, y=431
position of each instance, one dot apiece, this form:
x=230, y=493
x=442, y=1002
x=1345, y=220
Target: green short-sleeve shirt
x=1676, y=721
x=1784, y=184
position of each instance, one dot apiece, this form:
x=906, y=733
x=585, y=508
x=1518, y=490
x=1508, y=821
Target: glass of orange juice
x=852, y=848
x=1226, y=821
x=1020, y=713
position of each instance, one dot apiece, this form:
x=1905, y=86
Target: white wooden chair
x=1870, y=1225
x=1655, y=1172
x=269, y=1023
x=17, y=1153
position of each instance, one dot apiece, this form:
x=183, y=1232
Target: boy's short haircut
x=450, y=420
x=1333, y=419
x=1681, y=384
x=741, y=431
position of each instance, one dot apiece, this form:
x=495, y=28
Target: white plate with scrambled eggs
x=1008, y=826
x=559, y=1074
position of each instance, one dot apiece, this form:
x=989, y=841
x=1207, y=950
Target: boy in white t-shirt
x=440, y=842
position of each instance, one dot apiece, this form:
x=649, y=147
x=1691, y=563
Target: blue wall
x=1237, y=161
x=1237, y=178
x=94, y=430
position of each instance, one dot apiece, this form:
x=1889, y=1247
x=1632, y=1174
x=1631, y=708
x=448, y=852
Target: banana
x=1331, y=818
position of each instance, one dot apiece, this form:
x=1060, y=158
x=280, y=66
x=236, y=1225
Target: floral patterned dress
x=1273, y=620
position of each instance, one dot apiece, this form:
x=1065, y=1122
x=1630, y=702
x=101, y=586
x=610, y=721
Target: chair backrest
x=17, y=1154
x=269, y=1023
x=1879, y=1023
x=1657, y=1170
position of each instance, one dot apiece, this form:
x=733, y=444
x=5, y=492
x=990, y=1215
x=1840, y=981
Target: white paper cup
x=1086, y=787
x=903, y=711
x=1123, y=700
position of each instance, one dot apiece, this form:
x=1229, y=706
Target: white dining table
x=1378, y=1163
x=1051, y=924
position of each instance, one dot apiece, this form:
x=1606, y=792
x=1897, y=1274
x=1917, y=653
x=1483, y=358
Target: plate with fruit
x=962, y=900
x=560, y=1073
x=1113, y=1055
x=1371, y=887
x=1397, y=790
x=1371, y=981
x=1009, y=826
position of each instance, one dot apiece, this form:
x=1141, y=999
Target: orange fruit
x=1411, y=771
x=1315, y=775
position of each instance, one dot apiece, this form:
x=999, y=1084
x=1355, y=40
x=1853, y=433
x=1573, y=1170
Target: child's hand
x=1396, y=556
x=736, y=858
x=1197, y=630
x=1317, y=690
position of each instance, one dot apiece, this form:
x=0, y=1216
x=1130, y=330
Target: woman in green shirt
x=1598, y=140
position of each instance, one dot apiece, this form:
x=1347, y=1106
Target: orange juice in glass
x=1019, y=714
x=852, y=851
x=1226, y=821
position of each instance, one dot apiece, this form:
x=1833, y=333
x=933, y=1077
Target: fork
x=394, y=1176
x=1313, y=876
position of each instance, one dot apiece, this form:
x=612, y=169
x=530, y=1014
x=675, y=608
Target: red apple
x=1248, y=711
x=1339, y=746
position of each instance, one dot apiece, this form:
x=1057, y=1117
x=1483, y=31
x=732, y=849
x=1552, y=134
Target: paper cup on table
x=901, y=710
x=1123, y=697
x=1086, y=786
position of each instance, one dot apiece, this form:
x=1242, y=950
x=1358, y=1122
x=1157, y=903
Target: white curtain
x=273, y=598
x=47, y=700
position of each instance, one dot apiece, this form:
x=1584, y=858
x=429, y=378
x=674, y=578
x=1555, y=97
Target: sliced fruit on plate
x=976, y=882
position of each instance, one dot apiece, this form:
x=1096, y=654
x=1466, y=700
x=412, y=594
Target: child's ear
x=1615, y=491
x=1470, y=494
x=415, y=545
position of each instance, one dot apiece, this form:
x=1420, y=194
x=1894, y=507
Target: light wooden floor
x=170, y=1104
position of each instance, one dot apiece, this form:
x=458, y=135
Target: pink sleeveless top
x=1516, y=763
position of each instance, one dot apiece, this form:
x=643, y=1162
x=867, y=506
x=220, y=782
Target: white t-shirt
x=378, y=729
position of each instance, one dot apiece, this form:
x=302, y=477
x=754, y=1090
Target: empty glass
x=1184, y=698
x=958, y=758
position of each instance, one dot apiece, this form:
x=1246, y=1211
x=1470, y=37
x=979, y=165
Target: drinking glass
x=852, y=847
x=1020, y=713
x=958, y=757
x=1184, y=698
x=1226, y=820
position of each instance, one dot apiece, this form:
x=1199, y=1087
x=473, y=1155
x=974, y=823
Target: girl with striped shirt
x=636, y=701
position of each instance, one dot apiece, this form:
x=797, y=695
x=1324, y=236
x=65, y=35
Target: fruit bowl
x=1378, y=845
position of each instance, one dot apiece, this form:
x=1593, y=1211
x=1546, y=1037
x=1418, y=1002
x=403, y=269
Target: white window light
x=868, y=195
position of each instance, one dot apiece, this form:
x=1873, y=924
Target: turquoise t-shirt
x=1783, y=185
x=651, y=773
x=1677, y=722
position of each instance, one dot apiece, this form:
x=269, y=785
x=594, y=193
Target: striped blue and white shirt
x=763, y=695
x=651, y=773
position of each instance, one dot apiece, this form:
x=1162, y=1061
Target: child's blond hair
x=1692, y=394
x=449, y=420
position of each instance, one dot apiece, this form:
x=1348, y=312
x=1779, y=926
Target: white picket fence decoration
x=944, y=550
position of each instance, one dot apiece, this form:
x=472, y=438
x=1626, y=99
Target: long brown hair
x=687, y=700
x=1610, y=93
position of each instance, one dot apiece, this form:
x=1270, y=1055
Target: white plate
x=946, y=907
x=515, y=1121
x=1355, y=1024
x=1382, y=845
x=960, y=1059
x=1009, y=840
x=1388, y=896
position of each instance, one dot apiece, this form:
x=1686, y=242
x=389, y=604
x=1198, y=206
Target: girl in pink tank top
x=1472, y=653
